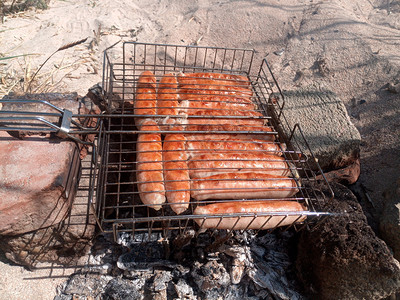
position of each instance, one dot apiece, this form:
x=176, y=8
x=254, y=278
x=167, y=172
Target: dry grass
x=8, y=7
x=17, y=76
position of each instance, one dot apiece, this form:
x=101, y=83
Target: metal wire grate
x=119, y=206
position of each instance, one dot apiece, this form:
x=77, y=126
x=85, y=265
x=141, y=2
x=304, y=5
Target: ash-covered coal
x=218, y=265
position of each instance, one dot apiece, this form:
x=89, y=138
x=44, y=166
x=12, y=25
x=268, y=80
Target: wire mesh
x=228, y=123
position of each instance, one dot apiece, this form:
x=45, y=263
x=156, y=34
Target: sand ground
x=349, y=47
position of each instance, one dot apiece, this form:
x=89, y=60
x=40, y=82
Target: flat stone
x=38, y=180
x=327, y=128
x=63, y=243
x=342, y=258
x=390, y=219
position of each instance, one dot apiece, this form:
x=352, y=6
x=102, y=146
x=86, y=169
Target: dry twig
x=67, y=46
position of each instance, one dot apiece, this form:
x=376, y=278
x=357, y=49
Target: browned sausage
x=150, y=167
x=225, y=79
x=264, y=210
x=167, y=95
x=209, y=164
x=222, y=132
x=201, y=147
x=197, y=89
x=225, y=117
x=218, y=102
x=177, y=181
x=253, y=185
x=217, y=98
x=145, y=103
x=214, y=84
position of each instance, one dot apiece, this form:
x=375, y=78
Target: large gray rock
x=342, y=258
x=390, y=219
x=326, y=125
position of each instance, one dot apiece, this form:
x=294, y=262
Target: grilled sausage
x=250, y=222
x=149, y=166
x=217, y=102
x=145, y=103
x=218, y=117
x=222, y=132
x=198, y=89
x=253, y=185
x=225, y=79
x=202, y=147
x=167, y=95
x=209, y=164
x=214, y=84
x=176, y=174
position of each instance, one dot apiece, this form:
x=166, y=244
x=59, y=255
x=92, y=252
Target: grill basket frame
x=115, y=145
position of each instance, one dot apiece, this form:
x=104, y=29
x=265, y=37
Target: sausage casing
x=243, y=186
x=228, y=131
x=145, y=103
x=176, y=173
x=150, y=167
x=250, y=222
x=211, y=146
x=209, y=164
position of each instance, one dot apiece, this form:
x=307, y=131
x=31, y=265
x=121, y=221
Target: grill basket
x=119, y=208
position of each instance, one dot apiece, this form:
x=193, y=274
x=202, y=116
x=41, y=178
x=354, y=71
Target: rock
x=326, y=125
x=342, y=258
x=38, y=179
x=390, y=219
x=394, y=87
x=62, y=243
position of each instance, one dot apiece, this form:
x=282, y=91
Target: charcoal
x=245, y=266
x=86, y=284
x=121, y=289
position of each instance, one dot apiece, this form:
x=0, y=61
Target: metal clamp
x=65, y=124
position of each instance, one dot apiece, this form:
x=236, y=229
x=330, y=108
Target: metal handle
x=20, y=121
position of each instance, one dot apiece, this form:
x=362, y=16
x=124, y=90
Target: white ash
x=217, y=266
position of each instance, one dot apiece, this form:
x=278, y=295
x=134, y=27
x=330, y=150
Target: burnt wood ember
x=340, y=258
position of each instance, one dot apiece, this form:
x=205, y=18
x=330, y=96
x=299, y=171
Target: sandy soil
x=349, y=47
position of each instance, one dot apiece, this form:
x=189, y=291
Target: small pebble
x=362, y=101
x=279, y=52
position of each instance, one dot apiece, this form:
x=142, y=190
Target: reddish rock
x=38, y=180
x=62, y=243
x=347, y=175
